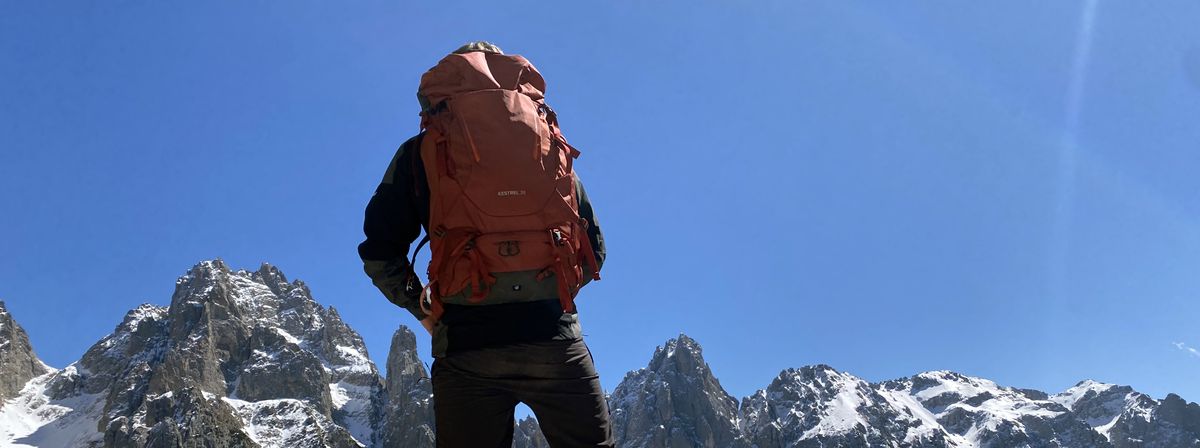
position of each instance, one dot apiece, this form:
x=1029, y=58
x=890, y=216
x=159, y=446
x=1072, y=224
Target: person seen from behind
x=490, y=179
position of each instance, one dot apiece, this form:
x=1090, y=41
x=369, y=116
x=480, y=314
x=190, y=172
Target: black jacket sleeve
x=586, y=212
x=394, y=218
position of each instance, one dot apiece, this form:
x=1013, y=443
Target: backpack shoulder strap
x=420, y=245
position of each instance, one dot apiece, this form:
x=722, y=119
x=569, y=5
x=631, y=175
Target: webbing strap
x=434, y=308
x=412, y=261
x=589, y=254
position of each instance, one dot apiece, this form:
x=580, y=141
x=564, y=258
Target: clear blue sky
x=1006, y=190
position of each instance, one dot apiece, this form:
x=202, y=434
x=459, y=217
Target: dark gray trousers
x=475, y=394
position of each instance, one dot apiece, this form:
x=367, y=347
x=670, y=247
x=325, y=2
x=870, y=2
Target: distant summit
x=676, y=401
x=18, y=363
x=250, y=359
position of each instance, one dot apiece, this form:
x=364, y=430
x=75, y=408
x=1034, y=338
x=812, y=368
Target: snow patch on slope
x=280, y=423
x=33, y=419
x=929, y=427
x=841, y=412
x=1072, y=396
x=352, y=403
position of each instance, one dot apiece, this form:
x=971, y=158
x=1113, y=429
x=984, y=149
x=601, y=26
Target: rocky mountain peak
x=978, y=412
x=248, y=358
x=1141, y=421
x=684, y=351
x=200, y=277
x=270, y=275
x=528, y=434
x=934, y=378
x=1087, y=394
x=811, y=385
x=821, y=406
x=133, y=319
x=819, y=374
x=18, y=362
x=1182, y=416
x=682, y=356
x=1092, y=385
x=409, y=414
x=405, y=371
x=674, y=401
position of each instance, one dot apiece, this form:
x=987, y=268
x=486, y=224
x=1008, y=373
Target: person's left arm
x=594, y=234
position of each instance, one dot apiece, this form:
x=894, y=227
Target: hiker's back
x=504, y=222
x=513, y=236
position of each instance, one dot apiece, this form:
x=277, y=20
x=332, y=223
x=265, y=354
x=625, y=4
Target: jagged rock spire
x=409, y=414
x=675, y=401
x=528, y=434
x=18, y=363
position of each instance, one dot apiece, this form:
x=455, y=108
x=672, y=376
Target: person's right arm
x=391, y=224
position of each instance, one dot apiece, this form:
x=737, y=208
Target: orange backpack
x=501, y=180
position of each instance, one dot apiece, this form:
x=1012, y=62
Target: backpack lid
x=477, y=70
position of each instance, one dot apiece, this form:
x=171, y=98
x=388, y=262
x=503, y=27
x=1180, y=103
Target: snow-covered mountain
x=1128, y=418
x=249, y=359
x=238, y=359
x=818, y=406
x=978, y=412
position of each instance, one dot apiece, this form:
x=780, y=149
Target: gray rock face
x=978, y=412
x=1172, y=422
x=409, y=411
x=1097, y=404
x=18, y=363
x=1132, y=419
x=237, y=359
x=818, y=406
x=674, y=402
x=528, y=434
x=185, y=418
x=246, y=338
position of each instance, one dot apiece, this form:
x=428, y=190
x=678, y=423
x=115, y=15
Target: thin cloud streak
x=1069, y=149
x=1190, y=350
